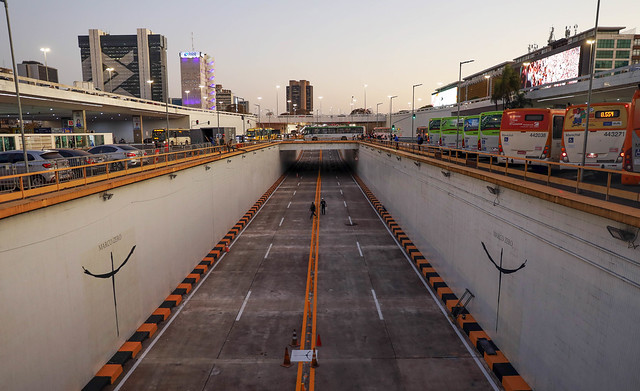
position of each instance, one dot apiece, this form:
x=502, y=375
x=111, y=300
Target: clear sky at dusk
x=339, y=46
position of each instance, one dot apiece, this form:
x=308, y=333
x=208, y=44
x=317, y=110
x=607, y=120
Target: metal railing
x=596, y=182
x=86, y=170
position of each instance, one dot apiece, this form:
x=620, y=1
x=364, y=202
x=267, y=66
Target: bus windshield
x=491, y=122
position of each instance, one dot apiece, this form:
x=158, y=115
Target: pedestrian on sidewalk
x=323, y=205
x=312, y=209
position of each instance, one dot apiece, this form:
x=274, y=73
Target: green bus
x=434, y=132
x=450, y=134
x=489, y=131
x=470, y=133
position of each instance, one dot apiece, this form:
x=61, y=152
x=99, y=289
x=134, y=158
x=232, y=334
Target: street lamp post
x=15, y=80
x=488, y=77
x=110, y=70
x=591, y=72
x=289, y=114
x=205, y=106
x=390, y=112
x=458, y=119
x=277, y=98
x=365, y=98
x=259, y=110
x=377, y=105
x=413, y=101
x=46, y=68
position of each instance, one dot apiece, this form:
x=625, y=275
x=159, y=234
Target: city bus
x=531, y=134
x=314, y=133
x=450, y=134
x=470, y=128
x=489, y=131
x=258, y=134
x=614, y=136
x=381, y=132
x=434, y=132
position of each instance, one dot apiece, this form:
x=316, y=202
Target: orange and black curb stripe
x=495, y=359
x=110, y=372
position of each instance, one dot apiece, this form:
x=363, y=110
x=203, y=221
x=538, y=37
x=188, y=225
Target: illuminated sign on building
x=191, y=54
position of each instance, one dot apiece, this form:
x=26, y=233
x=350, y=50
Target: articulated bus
x=258, y=134
x=470, y=132
x=614, y=136
x=315, y=133
x=434, y=132
x=489, y=131
x=531, y=134
x=450, y=135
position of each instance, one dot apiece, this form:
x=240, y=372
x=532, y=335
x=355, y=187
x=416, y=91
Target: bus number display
x=608, y=114
x=613, y=134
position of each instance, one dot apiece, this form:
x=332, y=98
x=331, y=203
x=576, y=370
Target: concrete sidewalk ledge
x=110, y=372
x=495, y=359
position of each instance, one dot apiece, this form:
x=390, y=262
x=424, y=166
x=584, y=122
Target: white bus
x=320, y=133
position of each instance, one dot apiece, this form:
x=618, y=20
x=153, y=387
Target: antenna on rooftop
x=567, y=31
x=550, y=36
x=575, y=29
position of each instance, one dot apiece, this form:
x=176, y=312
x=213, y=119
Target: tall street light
x=277, y=99
x=365, y=99
x=186, y=102
x=413, y=103
x=488, y=77
x=377, y=105
x=206, y=105
x=591, y=72
x=391, y=110
x=458, y=119
x=15, y=80
x=110, y=70
x=320, y=112
x=46, y=68
x=259, y=110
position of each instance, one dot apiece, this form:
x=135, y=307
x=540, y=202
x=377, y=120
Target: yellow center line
x=306, y=374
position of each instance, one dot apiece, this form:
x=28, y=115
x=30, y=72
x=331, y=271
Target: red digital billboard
x=558, y=67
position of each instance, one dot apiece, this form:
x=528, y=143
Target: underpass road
x=379, y=326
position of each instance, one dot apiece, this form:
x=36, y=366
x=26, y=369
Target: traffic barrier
x=318, y=341
x=314, y=359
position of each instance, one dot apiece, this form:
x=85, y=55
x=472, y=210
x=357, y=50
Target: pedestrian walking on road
x=312, y=209
x=323, y=206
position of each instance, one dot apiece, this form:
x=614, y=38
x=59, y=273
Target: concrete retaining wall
x=569, y=319
x=59, y=325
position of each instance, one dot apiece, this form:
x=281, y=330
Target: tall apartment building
x=132, y=60
x=198, y=77
x=35, y=70
x=300, y=94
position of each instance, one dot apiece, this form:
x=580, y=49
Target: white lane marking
x=338, y=183
x=377, y=304
x=298, y=183
x=350, y=222
x=462, y=338
x=244, y=303
x=269, y=249
x=294, y=192
x=280, y=225
x=289, y=205
x=359, y=249
x=174, y=316
x=345, y=203
x=341, y=192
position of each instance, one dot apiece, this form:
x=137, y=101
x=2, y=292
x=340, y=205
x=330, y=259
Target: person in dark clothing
x=312, y=209
x=323, y=205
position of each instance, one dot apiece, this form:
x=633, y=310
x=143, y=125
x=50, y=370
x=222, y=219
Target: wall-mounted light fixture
x=417, y=163
x=228, y=160
x=494, y=190
x=207, y=168
x=398, y=157
x=106, y=196
x=172, y=176
x=445, y=174
x=388, y=154
x=625, y=235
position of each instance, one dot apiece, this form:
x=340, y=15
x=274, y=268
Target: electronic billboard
x=445, y=97
x=558, y=67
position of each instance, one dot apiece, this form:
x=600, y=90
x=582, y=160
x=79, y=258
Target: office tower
x=132, y=65
x=300, y=95
x=197, y=77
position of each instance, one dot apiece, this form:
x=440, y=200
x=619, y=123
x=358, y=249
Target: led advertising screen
x=561, y=66
x=443, y=98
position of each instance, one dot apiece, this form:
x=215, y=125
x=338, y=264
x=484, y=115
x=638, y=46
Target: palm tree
x=520, y=101
x=506, y=86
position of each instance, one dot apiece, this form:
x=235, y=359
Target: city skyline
x=338, y=47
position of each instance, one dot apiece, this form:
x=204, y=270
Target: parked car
x=79, y=157
x=119, y=152
x=43, y=162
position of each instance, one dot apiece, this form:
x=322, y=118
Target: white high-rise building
x=198, y=77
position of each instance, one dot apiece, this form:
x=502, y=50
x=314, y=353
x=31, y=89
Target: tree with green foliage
x=506, y=87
